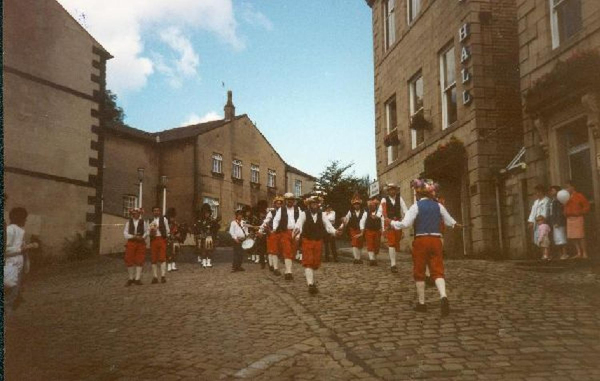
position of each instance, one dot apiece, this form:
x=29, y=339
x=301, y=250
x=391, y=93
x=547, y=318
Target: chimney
x=229, y=107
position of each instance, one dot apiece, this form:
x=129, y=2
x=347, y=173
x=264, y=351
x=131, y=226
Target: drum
x=248, y=244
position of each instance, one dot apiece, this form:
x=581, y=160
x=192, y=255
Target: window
x=236, y=171
x=298, y=188
x=240, y=206
x=416, y=106
x=565, y=20
x=214, y=205
x=448, y=84
x=390, y=24
x=271, y=180
x=254, y=173
x=391, y=122
x=414, y=7
x=129, y=202
x=217, y=163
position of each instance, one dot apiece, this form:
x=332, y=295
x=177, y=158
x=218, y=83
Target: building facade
x=54, y=75
x=226, y=163
x=447, y=105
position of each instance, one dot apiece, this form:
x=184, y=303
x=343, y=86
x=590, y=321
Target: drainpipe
x=499, y=214
x=195, y=198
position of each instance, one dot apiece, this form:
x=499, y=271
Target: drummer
x=239, y=232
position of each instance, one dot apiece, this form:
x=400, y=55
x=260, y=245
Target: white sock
x=427, y=272
x=392, y=256
x=163, y=268
x=155, y=270
x=440, y=283
x=371, y=256
x=288, y=266
x=275, y=261
x=356, y=253
x=310, y=276
x=208, y=262
x=270, y=259
x=138, y=273
x=420, y=291
x=131, y=271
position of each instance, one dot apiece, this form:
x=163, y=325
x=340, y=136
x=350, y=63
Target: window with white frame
x=413, y=9
x=129, y=202
x=240, y=206
x=416, y=106
x=298, y=188
x=217, y=163
x=390, y=126
x=236, y=170
x=565, y=20
x=214, y=205
x=389, y=15
x=271, y=179
x=448, y=87
x=254, y=173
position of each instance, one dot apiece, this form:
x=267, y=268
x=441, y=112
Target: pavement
x=508, y=322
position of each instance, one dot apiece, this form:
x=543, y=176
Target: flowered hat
x=278, y=198
x=425, y=187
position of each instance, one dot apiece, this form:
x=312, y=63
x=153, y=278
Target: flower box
x=392, y=139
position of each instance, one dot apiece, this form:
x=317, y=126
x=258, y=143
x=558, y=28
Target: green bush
x=78, y=248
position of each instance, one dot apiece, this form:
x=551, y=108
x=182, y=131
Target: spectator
x=540, y=207
x=574, y=210
x=557, y=221
x=543, y=237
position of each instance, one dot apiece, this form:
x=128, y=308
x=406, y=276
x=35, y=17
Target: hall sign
x=465, y=56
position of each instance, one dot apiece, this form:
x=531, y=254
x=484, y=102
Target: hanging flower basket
x=391, y=139
x=418, y=122
x=570, y=77
x=447, y=154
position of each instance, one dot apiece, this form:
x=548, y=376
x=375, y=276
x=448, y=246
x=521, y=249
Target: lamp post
x=140, y=172
x=163, y=182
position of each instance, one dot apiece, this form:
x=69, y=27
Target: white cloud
x=195, y=118
x=119, y=25
x=182, y=67
x=255, y=18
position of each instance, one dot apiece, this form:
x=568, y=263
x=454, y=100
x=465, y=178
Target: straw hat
x=289, y=196
x=391, y=185
x=278, y=198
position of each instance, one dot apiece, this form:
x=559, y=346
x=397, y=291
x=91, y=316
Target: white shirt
x=267, y=220
x=413, y=212
x=291, y=223
x=302, y=219
x=393, y=199
x=238, y=231
x=15, y=235
x=362, y=221
x=330, y=216
x=539, y=208
x=135, y=226
x=157, y=223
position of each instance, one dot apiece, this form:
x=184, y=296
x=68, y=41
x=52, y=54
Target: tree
x=340, y=186
x=112, y=114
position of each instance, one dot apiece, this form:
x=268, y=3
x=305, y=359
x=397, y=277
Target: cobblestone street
x=80, y=322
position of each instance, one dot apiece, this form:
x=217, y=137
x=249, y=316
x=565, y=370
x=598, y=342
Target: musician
x=329, y=242
x=284, y=223
x=253, y=224
x=355, y=221
x=205, y=231
x=393, y=208
x=272, y=237
x=135, y=232
x=239, y=232
x=174, y=241
x=260, y=213
x=372, y=230
x=426, y=215
x=314, y=226
x=159, y=233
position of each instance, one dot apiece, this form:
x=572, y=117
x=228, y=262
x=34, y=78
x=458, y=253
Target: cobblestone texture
x=80, y=322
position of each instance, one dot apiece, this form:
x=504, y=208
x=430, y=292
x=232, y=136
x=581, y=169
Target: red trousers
x=158, y=249
x=356, y=242
x=135, y=253
x=311, y=253
x=427, y=250
x=393, y=238
x=287, y=244
x=373, y=239
x=273, y=243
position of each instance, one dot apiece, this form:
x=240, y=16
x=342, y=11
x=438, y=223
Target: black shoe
x=421, y=307
x=355, y=261
x=288, y=276
x=263, y=266
x=445, y=307
x=312, y=289
x=372, y=262
x=360, y=261
x=154, y=280
x=394, y=269
x=241, y=269
x=138, y=282
x=129, y=282
x=271, y=269
x=163, y=280
x=429, y=281
x=335, y=259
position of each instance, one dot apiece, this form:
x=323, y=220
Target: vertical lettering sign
x=465, y=56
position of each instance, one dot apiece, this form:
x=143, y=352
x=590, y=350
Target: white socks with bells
x=440, y=283
x=131, y=271
x=288, y=266
x=163, y=269
x=138, y=273
x=310, y=276
x=392, y=251
x=274, y=261
x=356, y=253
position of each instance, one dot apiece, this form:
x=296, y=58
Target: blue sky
x=301, y=70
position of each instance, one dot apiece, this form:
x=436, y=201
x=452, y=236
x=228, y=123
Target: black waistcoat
x=140, y=227
x=354, y=222
x=314, y=230
x=283, y=223
x=161, y=226
x=373, y=223
x=393, y=211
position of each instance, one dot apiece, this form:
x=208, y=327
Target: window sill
x=272, y=189
x=237, y=181
x=254, y=185
x=218, y=174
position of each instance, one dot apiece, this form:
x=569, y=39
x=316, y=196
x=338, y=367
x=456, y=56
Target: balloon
x=563, y=196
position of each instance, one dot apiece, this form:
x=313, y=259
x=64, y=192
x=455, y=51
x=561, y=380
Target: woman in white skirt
x=558, y=222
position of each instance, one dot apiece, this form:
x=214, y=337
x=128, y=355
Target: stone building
x=447, y=105
x=54, y=75
x=226, y=163
x=559, y=55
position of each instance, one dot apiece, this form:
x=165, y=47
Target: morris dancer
x=205, y=231
x=239, y=232
x=392, y=208
x=174, y=242
x=159, y=233
x=284, y=224
x=355, y=220
x=426, y=215
x=272, y=237
x=261, y=241
x=372, y=230
x=330, y=247
x=314, y=226
x=135, y=232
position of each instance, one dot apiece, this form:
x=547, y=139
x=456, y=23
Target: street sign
x=374, y=189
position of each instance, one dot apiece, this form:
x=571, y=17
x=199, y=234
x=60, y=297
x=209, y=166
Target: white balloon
x=563, y=196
